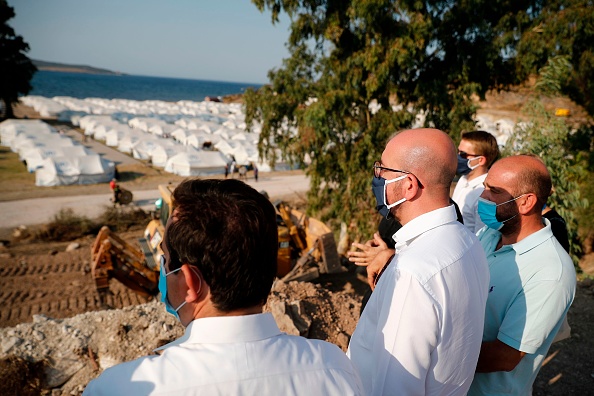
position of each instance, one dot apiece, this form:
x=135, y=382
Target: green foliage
x=16, y=69
x=431, y=57
x=562, y=28
x=547, y=137
x=67, y=225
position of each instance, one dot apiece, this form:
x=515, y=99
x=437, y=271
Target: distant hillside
x=61, y=67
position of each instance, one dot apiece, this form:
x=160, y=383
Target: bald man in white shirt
x=421, y=331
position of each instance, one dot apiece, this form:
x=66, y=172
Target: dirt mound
x=63, y=355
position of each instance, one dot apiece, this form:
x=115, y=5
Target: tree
x=16, y=69
x=409, y=56
x=548, y=137
x=562, y=28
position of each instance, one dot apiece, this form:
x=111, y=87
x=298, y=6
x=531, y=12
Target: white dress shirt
x=234, y=355
x=466, y=195
x=421, y=332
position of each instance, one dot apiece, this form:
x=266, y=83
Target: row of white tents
x=55, y=159
x=185, y=138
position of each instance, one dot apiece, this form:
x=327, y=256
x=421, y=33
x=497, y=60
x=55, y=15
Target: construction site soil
x=56, y=334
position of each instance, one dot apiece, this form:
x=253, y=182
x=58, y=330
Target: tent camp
x=24, y=143
x=196, y=163
x=88, y=169
x=9, y=129
x=35, y=157
x=163, y=152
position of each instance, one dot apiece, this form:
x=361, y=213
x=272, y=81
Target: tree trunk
x=7, y=111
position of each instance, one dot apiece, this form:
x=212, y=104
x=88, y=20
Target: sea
x=82, y=85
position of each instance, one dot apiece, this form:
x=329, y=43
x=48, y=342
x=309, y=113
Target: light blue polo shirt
x=532, y=286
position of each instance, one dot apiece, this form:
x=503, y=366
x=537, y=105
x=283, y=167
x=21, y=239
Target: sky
x=221, y=40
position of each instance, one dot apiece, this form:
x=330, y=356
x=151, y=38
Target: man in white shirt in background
x=220, y=259
x=421, y=331
x=476, y=153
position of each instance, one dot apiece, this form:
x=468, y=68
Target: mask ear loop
x=390, y=206
x=471, y=159
x=199, y=279
x=199, y=289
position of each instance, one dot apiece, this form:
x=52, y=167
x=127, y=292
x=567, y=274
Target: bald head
x=525, y=174
x=429, y=154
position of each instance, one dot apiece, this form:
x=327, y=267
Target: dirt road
x=42, y=210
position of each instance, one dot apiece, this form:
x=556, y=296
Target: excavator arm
x=112, y=257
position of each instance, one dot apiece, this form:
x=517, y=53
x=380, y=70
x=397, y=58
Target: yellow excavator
x=306, y=249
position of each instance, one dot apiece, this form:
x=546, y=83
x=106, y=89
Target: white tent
x=196, y=163
x=10, y=129
x=181, y=135
x=162, y=129
x=114, y=135
x=163, y=152
x=127, y=142
x=20, y=146
x=104, y=127
x=143, y=149
x=35, y=157
x=89, y=169
x=198, y=138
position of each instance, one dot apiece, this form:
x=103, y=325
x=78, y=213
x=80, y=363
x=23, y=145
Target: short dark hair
x=534, y=180
x=228, y=231
x=484, y=144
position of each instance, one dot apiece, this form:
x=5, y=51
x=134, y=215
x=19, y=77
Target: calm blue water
x=79, y=85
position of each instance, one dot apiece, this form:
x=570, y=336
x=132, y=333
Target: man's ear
x=411, y=187
x=528, y=203
x=194, y=281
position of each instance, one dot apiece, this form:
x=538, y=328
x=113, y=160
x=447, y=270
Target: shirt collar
x=228, y=329
x=530, y=242
x=474, y=182
x=424, y=223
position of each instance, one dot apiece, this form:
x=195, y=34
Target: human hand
x=367, y=252
x=374, y=254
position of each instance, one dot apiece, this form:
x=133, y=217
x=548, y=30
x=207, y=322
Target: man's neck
x=527, y=228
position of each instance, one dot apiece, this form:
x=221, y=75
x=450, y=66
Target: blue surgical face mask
x=464, y=166
x=487, y=211
x=378, y=186
x=163, y=289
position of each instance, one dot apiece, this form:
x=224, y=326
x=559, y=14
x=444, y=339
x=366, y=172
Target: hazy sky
x=225, y=40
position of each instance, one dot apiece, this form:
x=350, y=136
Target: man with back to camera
x=532, y=277
x=421, y=330
x=219, y=262
x=476, y=153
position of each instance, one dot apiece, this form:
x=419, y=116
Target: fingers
x=377, y=239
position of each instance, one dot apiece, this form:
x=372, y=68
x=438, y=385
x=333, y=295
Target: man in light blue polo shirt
x=532, y=277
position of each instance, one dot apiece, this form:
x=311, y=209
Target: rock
x=40, y=318
x=10, y=342
x=72, y=246
x=53, y=252
x=342, y=340
x=107, y=361
x=20, y=232
x=290, y=317
x=60, y=371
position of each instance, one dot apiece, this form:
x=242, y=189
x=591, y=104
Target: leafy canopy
x=16, y=69
x=430, y=56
